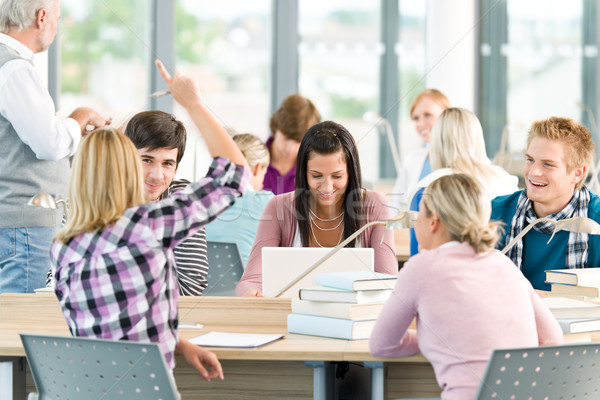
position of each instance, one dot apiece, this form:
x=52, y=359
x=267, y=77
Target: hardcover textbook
x=322, y=293
x=329, y=327
x=356, y=280
x=579, y=276
x=337, y=310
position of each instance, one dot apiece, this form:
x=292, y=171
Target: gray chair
x=225, y=268
x=569, y=371
x=84, y=368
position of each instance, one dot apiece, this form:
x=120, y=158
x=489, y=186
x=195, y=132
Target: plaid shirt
x=121, y=283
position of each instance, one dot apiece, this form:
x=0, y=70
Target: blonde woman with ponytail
x=458, y=146
x=469, y=298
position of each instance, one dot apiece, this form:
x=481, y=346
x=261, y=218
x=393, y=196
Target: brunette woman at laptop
x=327, y=206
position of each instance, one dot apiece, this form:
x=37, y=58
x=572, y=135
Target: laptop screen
x=281, y=265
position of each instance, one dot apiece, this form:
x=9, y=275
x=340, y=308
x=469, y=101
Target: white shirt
x=26, y=103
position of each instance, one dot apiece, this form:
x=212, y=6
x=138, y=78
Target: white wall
x=451, y=46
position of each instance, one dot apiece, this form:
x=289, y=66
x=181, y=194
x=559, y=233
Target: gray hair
x=21, y=13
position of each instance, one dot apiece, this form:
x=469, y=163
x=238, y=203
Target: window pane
x=226, y=47
x=411, y=68
x=544, y=53
x=103, y=49
x=339, y=54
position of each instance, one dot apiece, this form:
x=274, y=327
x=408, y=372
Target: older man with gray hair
x=36, y=144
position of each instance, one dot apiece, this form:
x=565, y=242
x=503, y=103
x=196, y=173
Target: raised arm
x=185, y=91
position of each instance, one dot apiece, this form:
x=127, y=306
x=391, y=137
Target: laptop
x=281, y=265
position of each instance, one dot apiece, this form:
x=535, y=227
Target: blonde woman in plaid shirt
x=113, y=260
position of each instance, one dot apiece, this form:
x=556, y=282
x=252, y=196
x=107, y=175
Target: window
x=103, y=49
x=339, y=53
x=538, y=59
x=226, y=48
x=410, y=49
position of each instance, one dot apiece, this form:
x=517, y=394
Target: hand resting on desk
x=201, y=359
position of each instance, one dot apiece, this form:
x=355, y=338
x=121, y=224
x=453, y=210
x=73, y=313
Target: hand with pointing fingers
x=183, y=88
x=185, y=91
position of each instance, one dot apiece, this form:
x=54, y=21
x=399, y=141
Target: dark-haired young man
x=160, y=140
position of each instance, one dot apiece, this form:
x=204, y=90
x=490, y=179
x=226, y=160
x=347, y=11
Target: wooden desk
x=296, y=367
x=402, y=244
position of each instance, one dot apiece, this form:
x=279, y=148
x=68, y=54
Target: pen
x=190, y=326
x=160, y=93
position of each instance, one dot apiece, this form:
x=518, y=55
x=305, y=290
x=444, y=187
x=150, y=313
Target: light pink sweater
x=278, y=225
x=466, y=306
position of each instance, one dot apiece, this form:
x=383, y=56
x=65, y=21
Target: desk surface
x=41, y=314
x=249, y=372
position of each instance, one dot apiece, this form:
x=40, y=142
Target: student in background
x=328, y=205
x=457, y=145
x=288, y=124
x=559, y=154
x=113, y=260
x=160, y=140
x=424, y=111
x=468, y=298
x=239, y=223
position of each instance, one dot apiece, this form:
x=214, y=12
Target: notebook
x=281, y=265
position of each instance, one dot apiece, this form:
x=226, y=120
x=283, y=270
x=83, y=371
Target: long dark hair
x=326, y=138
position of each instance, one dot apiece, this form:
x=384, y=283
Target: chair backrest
x=78, y=368
x=553, y=372
x=225, y=268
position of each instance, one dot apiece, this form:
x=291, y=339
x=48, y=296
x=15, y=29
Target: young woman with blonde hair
x=469, y=298
x=458, y=146
x=424, y=111
x=113, y=260
x=239, y=223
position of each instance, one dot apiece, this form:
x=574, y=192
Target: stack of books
x=344, y=305
x=584, y=282
x=578, y=319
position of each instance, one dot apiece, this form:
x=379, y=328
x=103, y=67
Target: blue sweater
x=538, y=254
x=239, y=223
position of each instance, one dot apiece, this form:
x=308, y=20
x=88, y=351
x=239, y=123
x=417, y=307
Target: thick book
x=356, y=280
x=337, y=310
x=337, y=328
x=588, y=291
x=582, y=337
x=578, y=325
x=323, y=293
x=578, y=276
x=563, y=307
